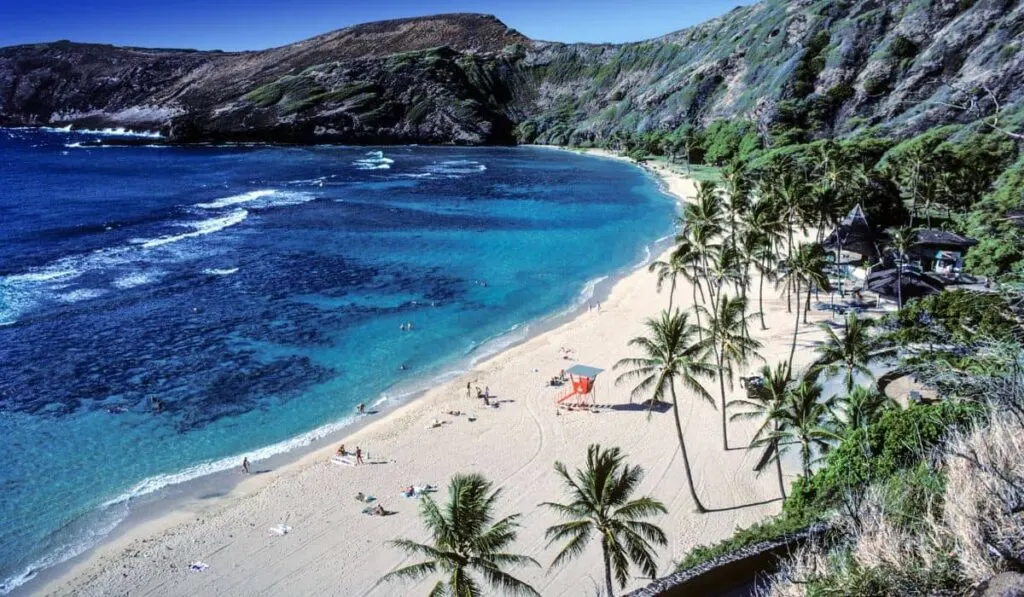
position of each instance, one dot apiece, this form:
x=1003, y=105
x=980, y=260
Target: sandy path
x=333, y=549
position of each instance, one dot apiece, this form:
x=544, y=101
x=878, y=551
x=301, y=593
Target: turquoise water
x=257, y=293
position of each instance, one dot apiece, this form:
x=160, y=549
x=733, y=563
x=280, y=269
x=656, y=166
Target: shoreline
x=250, y=497
x=158, y=510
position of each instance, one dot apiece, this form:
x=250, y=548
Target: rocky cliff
x=816, y=68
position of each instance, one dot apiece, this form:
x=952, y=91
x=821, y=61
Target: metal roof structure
x=584, y=371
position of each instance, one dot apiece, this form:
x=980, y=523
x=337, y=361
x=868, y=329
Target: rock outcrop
x=815, y=67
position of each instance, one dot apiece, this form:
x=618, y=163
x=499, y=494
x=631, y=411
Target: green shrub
x=876, y=85
x=897, y=442
x=767, y=530
x=902, y=48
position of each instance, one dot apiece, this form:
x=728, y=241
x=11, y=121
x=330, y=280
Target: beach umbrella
x=887, y=284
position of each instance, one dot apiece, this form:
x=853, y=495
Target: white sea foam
x=107, y=132
x=119, y=132
x=74, y=541
x=498, y=343
x=647, y=256
x=456, y=168
x=375, y=160
x=155, y=483
x=43, y=275
x=211, y=271
x=81, y=294
x=259, y=199
x=135, y=279
x=200, y=228
x=587, y=292
x=236, y=199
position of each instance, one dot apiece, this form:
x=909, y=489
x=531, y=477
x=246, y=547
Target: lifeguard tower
x=582, y=378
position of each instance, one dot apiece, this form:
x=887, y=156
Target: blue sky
x=257, y=24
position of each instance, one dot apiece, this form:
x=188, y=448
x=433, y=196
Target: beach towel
x=342, y=461
x=280, y=530
x=198, y=566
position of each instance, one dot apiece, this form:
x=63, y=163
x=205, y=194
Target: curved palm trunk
x=744, y=282
x=700, y=328
x=686, y=457
x=796, y=328
x=789, y=286
x=671, y=293
x=807, y=307
x=899, y=285
x=805, y=456
x=760, y=302
x=721, y=384
x=607, y=568
x=778, y=469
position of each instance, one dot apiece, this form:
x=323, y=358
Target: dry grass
x=791, y=581
x=977, y=532
x=985, y=498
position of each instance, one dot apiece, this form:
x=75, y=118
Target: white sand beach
x=333, y=549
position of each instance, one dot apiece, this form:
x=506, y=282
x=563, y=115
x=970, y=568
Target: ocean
x=164, y=311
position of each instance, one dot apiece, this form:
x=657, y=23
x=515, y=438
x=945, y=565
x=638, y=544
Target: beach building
x=940, y=251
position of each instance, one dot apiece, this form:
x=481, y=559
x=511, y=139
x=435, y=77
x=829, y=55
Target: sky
x=257, y=24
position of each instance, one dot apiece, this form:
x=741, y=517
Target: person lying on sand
x=455, y=413
x=415, y=490
x=377, y=510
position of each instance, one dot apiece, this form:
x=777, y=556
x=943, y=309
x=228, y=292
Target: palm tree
x=790, y=191
x=670, y=355
x=464, y=540
x=763, y=232
x=850, y=352
x=900, y=241
x=724, y=338
x=761, y=401
x=861, y=407
x=737, y=192
x=706, y=209
x=703, y=223
x=700, y=239
x=690, y=263
x=600, y=504
x=666, y=271
x=803, y=419
x=724, y=268
x=807, y=266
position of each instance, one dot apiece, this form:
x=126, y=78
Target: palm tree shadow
x=742, y=506
x=657, y=407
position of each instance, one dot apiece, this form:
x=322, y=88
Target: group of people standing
x=485, y=394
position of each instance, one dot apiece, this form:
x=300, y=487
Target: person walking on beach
x=360, y=408
x=245, y=465
x=359, y=455
x=468, y=385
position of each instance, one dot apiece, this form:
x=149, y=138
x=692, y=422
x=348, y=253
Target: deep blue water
x=257, y=292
